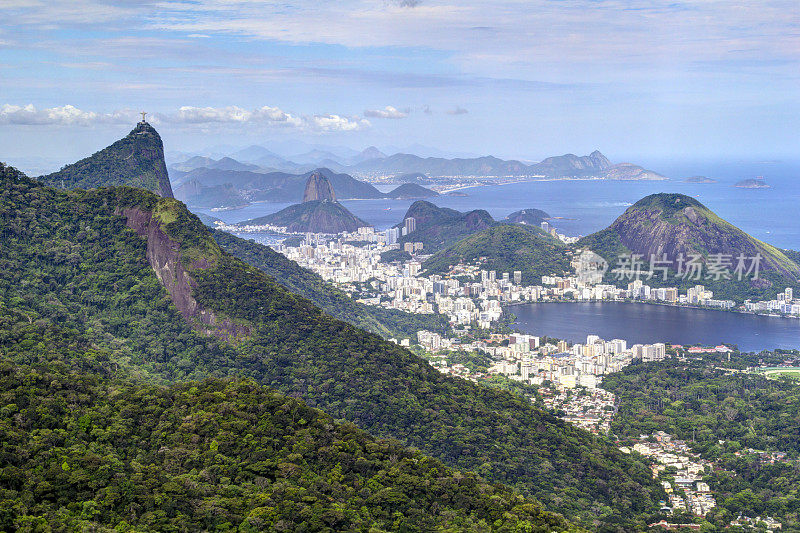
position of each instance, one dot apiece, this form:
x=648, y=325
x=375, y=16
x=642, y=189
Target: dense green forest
x=379, y=320
x=86, y=449
x=793, y=255
x=69, y=259
x=725, y=414
x=507, y=247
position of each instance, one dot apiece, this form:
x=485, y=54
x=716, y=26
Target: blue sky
x=512, y=78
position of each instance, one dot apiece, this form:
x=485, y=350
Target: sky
x=521, y=79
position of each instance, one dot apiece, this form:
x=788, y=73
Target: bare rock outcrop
x=164, y=257
x=318, y=188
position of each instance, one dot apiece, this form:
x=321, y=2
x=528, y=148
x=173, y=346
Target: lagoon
x=640, y=323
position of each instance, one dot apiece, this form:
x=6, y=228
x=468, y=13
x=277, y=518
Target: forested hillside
x=85, y=449
x=439, y=227
x=69, y=258
x=677, y=226
x=505, y=248
x=729, y=416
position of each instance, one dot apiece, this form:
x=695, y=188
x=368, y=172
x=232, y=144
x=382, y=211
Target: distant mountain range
x=372, y=161
x=225, y=163
x=594, y=165
x=257, y=174
x=210, y=187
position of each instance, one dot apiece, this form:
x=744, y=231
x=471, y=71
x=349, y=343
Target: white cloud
x=387, y=112
x=606, y=40
x=502, y=32
x=60, y=116
x=339, y=123
x=187, y=115
x=49, y=14
x=265, y=115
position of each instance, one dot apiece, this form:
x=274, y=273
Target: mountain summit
x=679, y=226
x=318, y=188
x=318, y=213
x=136, y=160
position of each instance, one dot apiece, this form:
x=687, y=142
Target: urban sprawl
x=566, y=375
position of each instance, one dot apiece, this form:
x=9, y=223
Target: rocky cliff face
x=137, y=160
x=318, y=188
x=164, y=257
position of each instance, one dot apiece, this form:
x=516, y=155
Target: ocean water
x=586, y=206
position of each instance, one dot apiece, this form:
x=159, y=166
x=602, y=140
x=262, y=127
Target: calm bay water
x=648, y=323
x=590, y=205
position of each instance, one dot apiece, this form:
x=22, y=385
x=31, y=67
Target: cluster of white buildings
x=353, y=261
x=568, y=376
x=468, y=294
x=784, y=303
x=564, y=366
x=687, y=490
x=590, y=409
x=524, y=358
x=581, y=289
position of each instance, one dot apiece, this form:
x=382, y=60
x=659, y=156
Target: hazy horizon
x=637, y=80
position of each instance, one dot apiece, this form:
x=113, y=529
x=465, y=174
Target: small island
x=753, y=183
x=699, y=179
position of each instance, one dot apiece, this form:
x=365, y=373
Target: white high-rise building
x=391, y=235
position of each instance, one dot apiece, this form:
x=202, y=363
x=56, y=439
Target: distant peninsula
x=411, y=191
